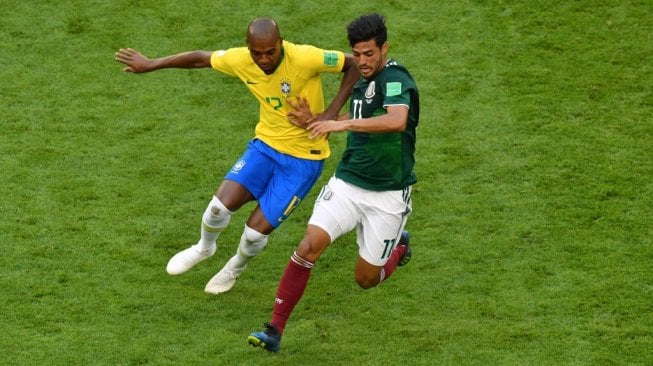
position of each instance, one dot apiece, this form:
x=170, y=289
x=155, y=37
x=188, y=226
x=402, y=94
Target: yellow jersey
x=298, y=74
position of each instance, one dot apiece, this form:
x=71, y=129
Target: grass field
x=532, y=227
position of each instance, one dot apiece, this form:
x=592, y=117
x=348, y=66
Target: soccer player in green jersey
x=370, y=191
x=282, y=162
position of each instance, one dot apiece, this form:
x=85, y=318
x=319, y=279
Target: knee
x=313, y=245
x=216, y=216
x=309, y=249
x=367, y=275
x=251, y=236
x=365, y=281
x=252, y=242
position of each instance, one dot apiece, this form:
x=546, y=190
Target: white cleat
x=223, y=281
x=186, y=259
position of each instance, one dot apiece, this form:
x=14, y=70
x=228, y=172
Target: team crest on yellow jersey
x=285, y=87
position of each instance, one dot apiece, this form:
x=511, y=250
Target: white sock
x=216, y=217
x=251, y=243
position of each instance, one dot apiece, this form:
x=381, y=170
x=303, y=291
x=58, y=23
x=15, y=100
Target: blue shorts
x=278, y=181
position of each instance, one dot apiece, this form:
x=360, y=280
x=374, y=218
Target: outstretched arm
x=346, y=84
x=395, y=120
x=139, y=63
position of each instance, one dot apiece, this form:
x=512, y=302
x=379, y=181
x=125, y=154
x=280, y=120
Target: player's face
x=370, y=58
x=266, y=53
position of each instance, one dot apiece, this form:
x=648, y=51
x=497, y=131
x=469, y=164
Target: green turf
x=532, y=218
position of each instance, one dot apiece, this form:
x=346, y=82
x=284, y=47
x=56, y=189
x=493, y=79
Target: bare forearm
x=378, y=124
x=136, y=62
x=394, y=121
x=336, y=104
x=351, y=75
x=185, y=60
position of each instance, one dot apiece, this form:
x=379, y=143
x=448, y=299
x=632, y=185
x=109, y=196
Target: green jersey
x=382, y=161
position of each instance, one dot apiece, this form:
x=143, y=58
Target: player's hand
x=322, y=128
x=301, y=115
x=135, y=61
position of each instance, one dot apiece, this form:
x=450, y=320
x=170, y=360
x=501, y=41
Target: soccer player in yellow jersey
x=281, y=163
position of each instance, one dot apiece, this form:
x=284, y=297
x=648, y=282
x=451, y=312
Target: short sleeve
x=397, y=89
x=223, y=60
x=319, y=60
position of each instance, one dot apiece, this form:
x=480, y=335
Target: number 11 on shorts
x=389, y=247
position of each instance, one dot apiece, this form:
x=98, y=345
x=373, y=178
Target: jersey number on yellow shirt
x=275, y=102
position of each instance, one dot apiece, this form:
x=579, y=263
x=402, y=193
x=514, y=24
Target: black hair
x=367, y=27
